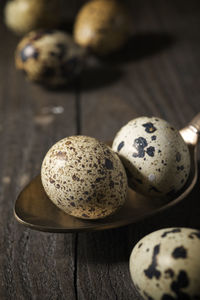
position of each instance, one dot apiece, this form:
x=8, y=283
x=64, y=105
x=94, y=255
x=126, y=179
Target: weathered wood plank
x=34, y=265
x=163, y=82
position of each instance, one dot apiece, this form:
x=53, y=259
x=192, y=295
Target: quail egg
x=22, y=16
x=103, y=26
x=84, y=177
x=155, y=156
x=165, y=265
x=49, y=57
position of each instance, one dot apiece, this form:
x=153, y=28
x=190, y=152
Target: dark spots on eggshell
x=177, y=286
x=181, y=282
x=169, y=273
x=152, y=271
x=111, y=184
x=179, y=252
x=62, y=50
x=51, y=180
x=149, y=127
x=72, y=204
x=178, y=157
x=165, y=233
x=69, y=67
x=98, y=179
x=139, y=144
x=108, y=164
x=153, y=188
x=153, y=138
x=75, y=178
x=120, y=146
x=150, y=151
x=163, y=162
x=85, y=216
x=159, y=151
x=194, y=234
x=61, y=155
x=29, y=51
x=180, y=168
x=140, y=245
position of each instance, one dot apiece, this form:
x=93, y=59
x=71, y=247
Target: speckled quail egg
x=165, y=265
x=155, y=156
x=49, y=57
x=103, y=26
x=22, y=16
x=84, y=177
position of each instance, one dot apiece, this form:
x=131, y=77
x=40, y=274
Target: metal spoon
x=34, y=209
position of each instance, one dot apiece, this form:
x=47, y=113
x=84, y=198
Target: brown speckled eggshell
x=155, y=155
x=49, y=57
x=84, y=177
x=103, y=26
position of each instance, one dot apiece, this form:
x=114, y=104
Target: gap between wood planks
x=78, y=131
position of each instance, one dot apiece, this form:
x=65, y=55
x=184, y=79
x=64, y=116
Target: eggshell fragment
x=155, y=156
x=84, y=177
x=165, y=264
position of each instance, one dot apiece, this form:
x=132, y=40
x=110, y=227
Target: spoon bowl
x=34, y=209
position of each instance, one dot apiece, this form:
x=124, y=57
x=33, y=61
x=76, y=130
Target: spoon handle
x=195, y=123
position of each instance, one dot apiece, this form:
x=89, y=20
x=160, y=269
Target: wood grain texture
x=33, y=265
x=157, y=73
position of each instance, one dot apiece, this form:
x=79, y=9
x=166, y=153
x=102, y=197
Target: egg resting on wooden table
x=84, y=177
x=165, y=265
x=22, y=16
x=103, y=26
x=49, y=57
x=155, y=156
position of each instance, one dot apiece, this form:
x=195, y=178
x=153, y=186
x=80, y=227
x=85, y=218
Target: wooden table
x=158, y=73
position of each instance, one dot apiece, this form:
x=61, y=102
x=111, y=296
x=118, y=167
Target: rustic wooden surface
x=158, y=73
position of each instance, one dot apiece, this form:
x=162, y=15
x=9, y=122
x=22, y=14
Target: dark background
x=157, y=73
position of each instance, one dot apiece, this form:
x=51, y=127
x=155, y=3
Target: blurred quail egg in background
x=155, y=156
x=103, y=26
x=84, y=177
x=165, y=265
x=22, y=16
x=49, y=57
